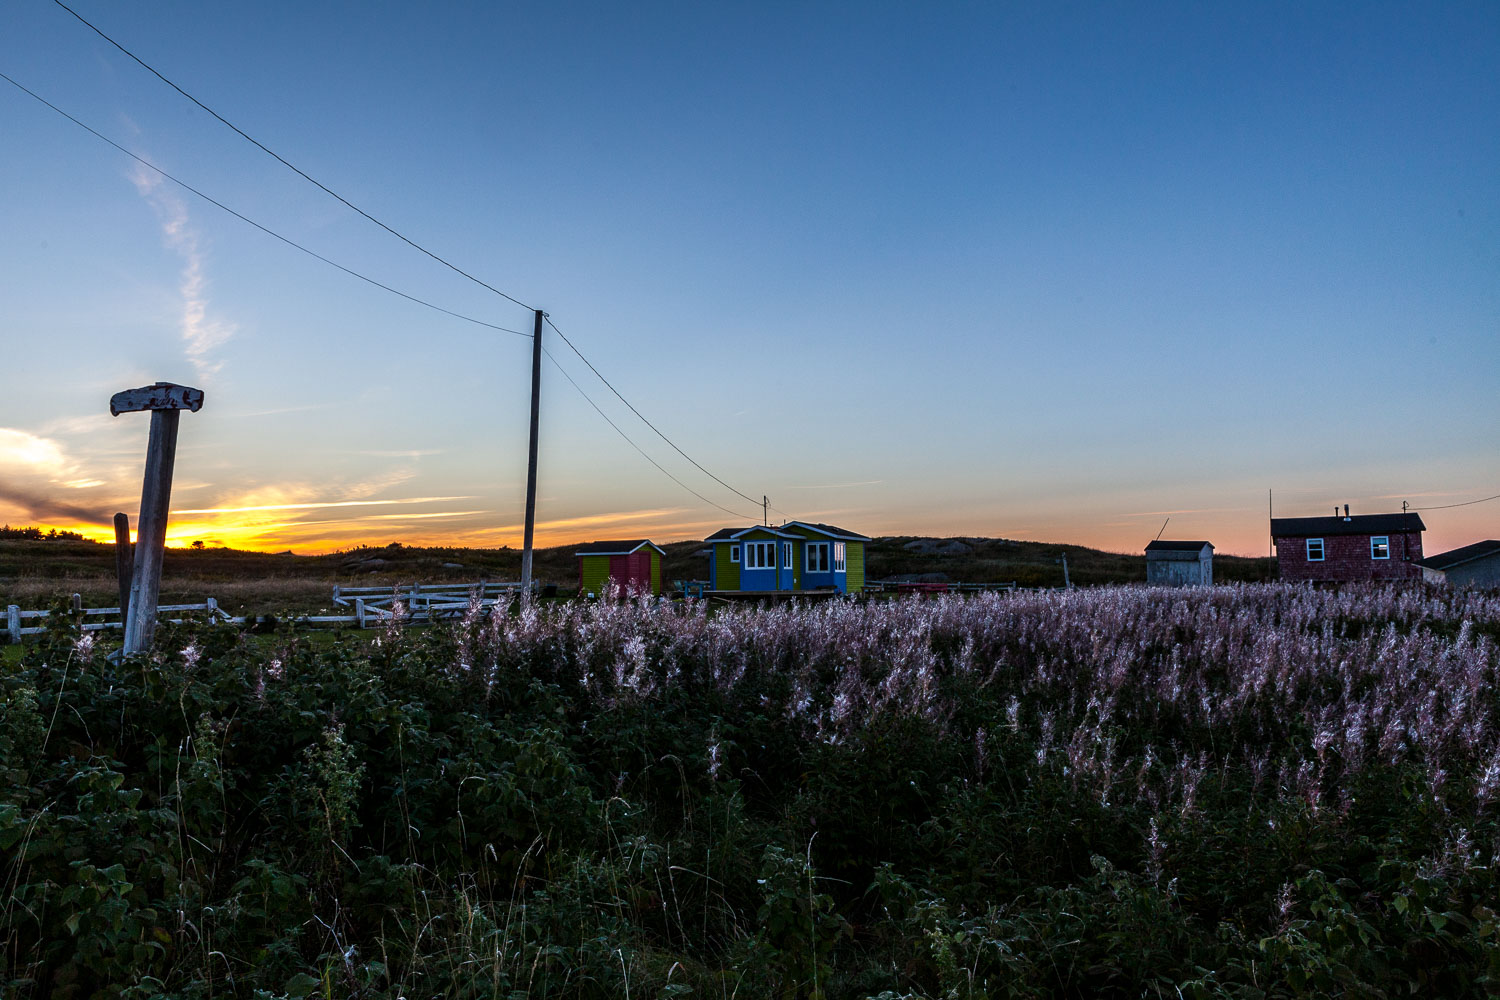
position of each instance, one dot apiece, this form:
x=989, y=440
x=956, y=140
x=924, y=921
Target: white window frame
x=821, y=564
x=760, y=555
x=734, y=553
x=1384, y=543
x=838, y=557
x=1322, y=550
x=786, y=555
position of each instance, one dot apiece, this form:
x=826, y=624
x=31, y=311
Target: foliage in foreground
x=1258, y=791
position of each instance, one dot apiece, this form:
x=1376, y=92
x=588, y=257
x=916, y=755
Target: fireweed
x=1034, y=794
x=1304, y=688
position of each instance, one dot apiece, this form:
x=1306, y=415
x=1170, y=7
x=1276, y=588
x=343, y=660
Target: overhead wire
x=405, y=239
x=285, y=162
x=628, y=440
x=642, y=416
x=1466, y=503
x=249, y=221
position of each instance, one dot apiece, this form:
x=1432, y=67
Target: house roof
x=616, y=548
x=1457, y=557
x=733, y=534
x=1165, y=545
x=829, y=530
x=1359, y=524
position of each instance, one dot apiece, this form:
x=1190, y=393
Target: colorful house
x=795, y=556
x=633, y=564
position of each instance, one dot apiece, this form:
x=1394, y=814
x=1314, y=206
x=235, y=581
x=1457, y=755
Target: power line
x=642, y=416
x=405, y=239
x=632, y=444
x=1466, y=503
x=287, y=163
x=249, y=221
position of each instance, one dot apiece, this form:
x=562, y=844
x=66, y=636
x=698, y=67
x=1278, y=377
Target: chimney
x=1346, y=512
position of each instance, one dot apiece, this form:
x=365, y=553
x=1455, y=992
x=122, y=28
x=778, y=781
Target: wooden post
x=151, y=531
x=359, y=611
x=13, y=622
x=536, y=397
x=124, y=557
x=76, y=603
x=166, y=402
x=1067, y=583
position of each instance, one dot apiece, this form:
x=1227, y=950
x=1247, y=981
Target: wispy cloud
x=317, y=505
x=202, y=334
x=837, y=486
x=1188, y=510
x=38, y=475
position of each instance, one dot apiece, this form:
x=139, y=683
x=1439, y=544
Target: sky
x=1057, y=272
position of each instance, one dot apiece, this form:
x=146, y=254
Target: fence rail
x=367, y=606
x=933, y=587
x=14, y=616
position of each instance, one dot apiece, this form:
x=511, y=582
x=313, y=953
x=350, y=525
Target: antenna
x=1163, y=528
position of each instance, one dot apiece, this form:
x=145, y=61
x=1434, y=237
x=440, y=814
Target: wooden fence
x=368, y=606
x=15, y=617
x=932, y=587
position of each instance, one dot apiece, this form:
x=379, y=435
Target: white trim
x=839, y=563
x=764, y=556
x=734, y=552
x=1385, y=542
x=850, y=536
x=1322, y=550
x=786, y=556
x=822, y=563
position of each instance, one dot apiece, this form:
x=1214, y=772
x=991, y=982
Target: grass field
x=34, y=573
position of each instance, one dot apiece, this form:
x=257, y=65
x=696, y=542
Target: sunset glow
x=1036, y=273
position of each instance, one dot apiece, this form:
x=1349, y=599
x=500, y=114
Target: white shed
x=1180, y=564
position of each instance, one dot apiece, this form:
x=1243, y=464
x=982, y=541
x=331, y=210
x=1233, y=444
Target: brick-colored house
x=1345, y=548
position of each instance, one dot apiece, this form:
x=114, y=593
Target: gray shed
x=1476, y=565
x=1180, y=564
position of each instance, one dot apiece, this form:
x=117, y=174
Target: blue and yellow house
x=791, y=557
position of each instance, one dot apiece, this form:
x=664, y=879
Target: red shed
x=634, y=563
x=1345, y=548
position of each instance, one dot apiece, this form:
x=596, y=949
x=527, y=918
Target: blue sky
x=1051, y=271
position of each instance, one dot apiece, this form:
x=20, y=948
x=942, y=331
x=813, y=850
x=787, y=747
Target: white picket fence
x=368, y=606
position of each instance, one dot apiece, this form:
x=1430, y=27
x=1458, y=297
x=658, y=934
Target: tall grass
x=1239, y=791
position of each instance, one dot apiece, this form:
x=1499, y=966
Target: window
x=734, y=553
x=1380, y=547
x=838, y=557
x=817, y=557
x=1315, y=550
x=786, y=553
x=760, y=555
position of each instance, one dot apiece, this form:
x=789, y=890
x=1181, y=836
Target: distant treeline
x=37, y=534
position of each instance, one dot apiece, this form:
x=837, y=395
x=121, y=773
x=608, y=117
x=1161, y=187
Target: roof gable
x=623, y=547
x=747, y=534
x=1457, y=557
x=830, y=530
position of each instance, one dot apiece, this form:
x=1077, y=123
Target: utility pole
x=765, y=507
x=536, y=398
